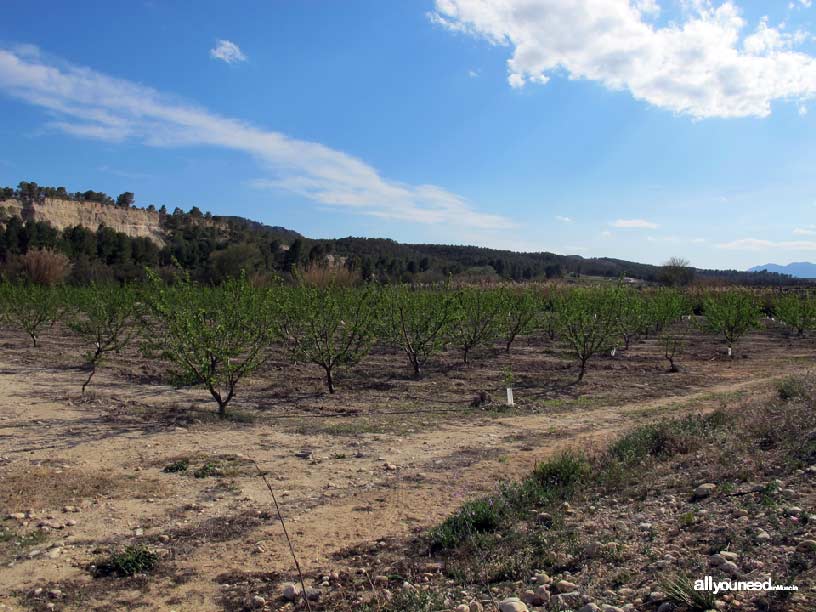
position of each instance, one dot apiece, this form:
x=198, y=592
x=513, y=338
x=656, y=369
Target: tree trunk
x=466, y=356
x=507, y=348
x=329, y=380
x=417, y=368
x=90, y=376
x=582, y=372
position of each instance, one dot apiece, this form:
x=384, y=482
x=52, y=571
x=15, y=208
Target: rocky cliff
x=135, y=222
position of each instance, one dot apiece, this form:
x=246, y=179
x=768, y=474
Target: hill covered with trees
x=213, y=248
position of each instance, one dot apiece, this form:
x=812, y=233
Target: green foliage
x=632, y=316
x=32, y=308
x=796, y=311
x=217, y=336
x=137, y=559
x=329, y=326
x=664, y=307
x=587, y=322
x=177, y=466
x=731, y=314
x=519, y=309
x=477, y=314
x=409, y=600
x=680, y=591
x=104, y=316
x=793, y=387
x=416, y=321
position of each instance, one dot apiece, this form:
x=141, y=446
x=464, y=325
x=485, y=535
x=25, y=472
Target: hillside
x=798, y=269
x=115, y=239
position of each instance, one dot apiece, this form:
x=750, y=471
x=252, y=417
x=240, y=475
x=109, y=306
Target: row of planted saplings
x=217, y=336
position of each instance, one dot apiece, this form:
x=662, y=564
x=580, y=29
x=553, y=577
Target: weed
x=211, y=468
x=178, y=466
x=680, y=591
x=793, y=388
x=135, y=559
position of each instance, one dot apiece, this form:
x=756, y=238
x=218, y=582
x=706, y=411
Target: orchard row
x=217, y=336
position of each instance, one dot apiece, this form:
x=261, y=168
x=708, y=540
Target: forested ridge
x=213, y=248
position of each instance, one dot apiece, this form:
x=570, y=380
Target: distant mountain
x=799, y=269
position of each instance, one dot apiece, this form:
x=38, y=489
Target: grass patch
x=680, y=591
x=793, y=388
x=407, y=600
x=133, y=560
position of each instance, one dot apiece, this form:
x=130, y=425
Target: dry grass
x=41, y=487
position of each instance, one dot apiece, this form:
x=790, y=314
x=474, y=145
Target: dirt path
x=352, y=490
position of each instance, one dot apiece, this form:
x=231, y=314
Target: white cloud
x=227, y=51
x=703, y=65
x=757, y=244
x=89, y=104
x=473, y=74
x=805, y=231
x=563, y=219
x=634, y=224
x=606, y=233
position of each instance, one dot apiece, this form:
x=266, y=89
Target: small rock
x=762, y=535
x=564, y=586
x=806, y=546
x=730, y=568
x=704, y=490
x=728, y=555
x=475, y=606
x=542, y=578
x=462, y=608
x=290, y=591
x=590, y=607
x=257, y=601
x=666, y=606
x=390, y=467
x=512, y=604
x=55, y=593
x=543, y=595
x=54, y=553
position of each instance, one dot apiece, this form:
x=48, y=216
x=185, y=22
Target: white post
x=510, y=397
x=729, y=352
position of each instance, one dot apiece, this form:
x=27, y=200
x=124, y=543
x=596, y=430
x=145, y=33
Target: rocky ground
x=98, y=514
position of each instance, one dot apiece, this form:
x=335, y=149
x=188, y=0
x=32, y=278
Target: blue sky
x=637, y=129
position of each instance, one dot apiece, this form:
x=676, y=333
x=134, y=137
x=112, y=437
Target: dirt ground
x=382, y=459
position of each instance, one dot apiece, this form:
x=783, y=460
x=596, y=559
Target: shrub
x=177, y=466
x=476, y=319
x=135, y=559
x=797, y=312
x=793, y=387
x=473, y=517
x=42, y=267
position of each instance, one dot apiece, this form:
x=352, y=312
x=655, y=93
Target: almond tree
x=217, y=336
x=329, y=326
x=796, y=311
x=32, y=308
x=587, y=323
x=105, y=317
x=476, y=319
x=519, y=309
x=731, y=314
x=416, y=321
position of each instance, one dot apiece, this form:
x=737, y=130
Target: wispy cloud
x=227, y=51
x=707, y=63
x=563, y=219
x=758, y=244
x=805, y=231
x=89, y=104
x=634, y=224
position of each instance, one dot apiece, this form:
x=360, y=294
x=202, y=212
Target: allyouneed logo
x=708, y=584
